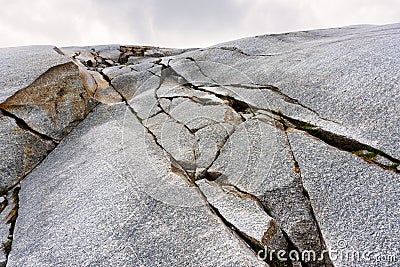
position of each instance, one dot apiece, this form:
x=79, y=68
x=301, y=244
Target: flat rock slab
x=245, y=213
x=104, y=202
x=355, y=203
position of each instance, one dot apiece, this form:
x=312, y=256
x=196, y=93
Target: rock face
x=279, y=150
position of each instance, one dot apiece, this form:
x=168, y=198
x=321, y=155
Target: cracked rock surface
x=121, y=155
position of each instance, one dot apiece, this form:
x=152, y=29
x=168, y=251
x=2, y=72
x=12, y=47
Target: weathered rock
x=54, y=103
x=210, y=140
x=245, y=213
x=8, y=215
x=21, y=66
x=355, y=203
x=257, y=160
x=175, y=138
x=20, y=149
x=347, y=75
x=171, y=120
x=195, y=115
x=125, y=84
x=81, y=223
x=115, y=71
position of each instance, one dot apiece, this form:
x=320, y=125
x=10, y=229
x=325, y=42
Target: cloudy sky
x=177, y=23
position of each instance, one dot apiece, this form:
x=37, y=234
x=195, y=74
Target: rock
x=127, y=231
x=23, y=65
x=108, y=95
x=196, y=116
x=125, y=84
x=54, y=103
x=257, y=160
x=244, y=213
x=210, y=140
x=175, y=138
x=356, y=68
x=21, y=151
x=354, y=202
x=8, y=215
x=190, y=72
x=285, y=141
x=112, y=72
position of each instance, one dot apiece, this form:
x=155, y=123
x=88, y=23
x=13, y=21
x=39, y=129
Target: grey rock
x=175, y=138
x=21, y=150
x=108, y=52
x=21, y=66
x=75, y=220
x=164, y=104
x=190, y=71
x=8, y=215
x=257, y=160
x=348, y=75
x=108, y=95
x=195, y=115
x=125, y=84
x=144, y=101
x=210, y=140
x=112, y=72
x=355, y=203
x=135, y=175
x=245, y=213
x=172, y=89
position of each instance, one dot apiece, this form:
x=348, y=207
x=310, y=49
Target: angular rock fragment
x=245, y=214
x=196, y=116
x=175, y=138
x=21, y=150
x=125, y=84
x=355, y=203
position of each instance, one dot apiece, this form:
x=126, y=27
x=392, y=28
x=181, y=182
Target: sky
x=177, y=23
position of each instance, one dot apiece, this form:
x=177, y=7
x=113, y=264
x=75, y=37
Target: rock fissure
x=327, y=260
x=23, y=125
x=341, y=142
x=10, y=207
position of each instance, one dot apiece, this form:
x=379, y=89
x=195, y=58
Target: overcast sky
x=177, y=23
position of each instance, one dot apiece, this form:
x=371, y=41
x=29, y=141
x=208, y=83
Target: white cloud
x=177, y=23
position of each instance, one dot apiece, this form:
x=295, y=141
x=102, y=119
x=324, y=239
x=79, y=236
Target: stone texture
x=120, y=220
x=257, y=160
x=8, y=215
x=21, y=66
x=20, y=151
x=210, y=140
x=54, y=103
x=355, y=203
x=132, y=185
x=175, y=138
x=125, y=84
x=348, y=75
x=244, y=213
x=195, y=115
